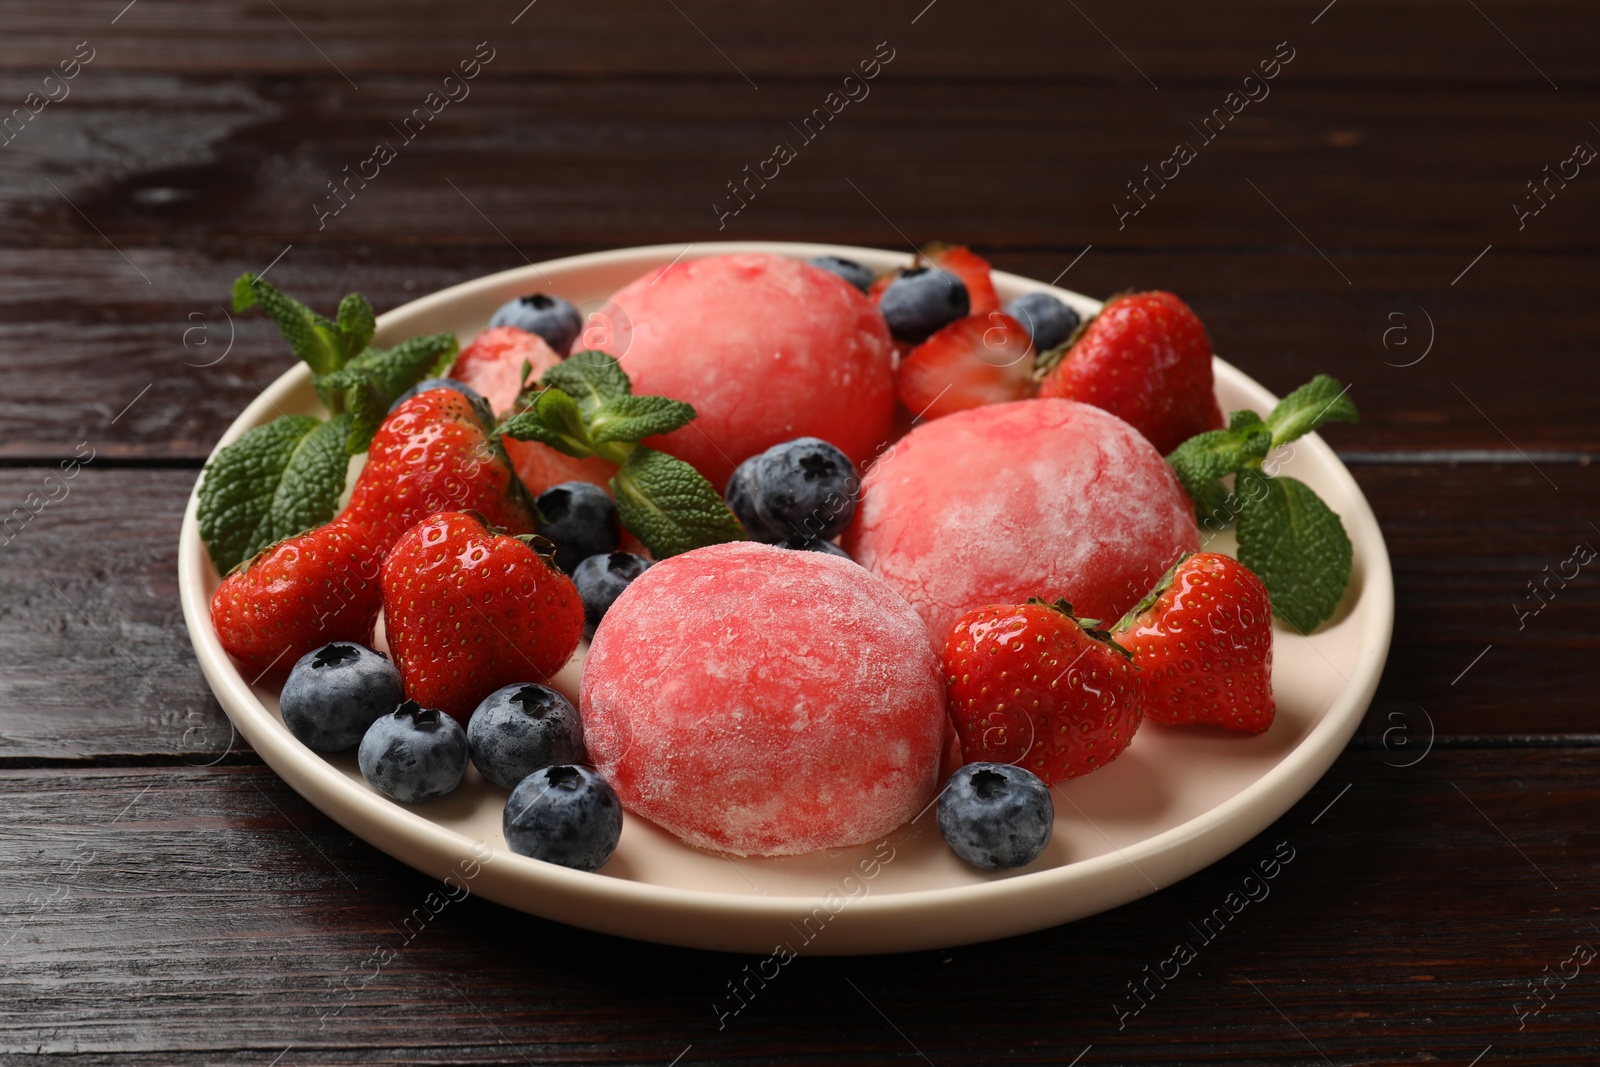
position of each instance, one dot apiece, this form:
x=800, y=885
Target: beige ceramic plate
x=1177, y=800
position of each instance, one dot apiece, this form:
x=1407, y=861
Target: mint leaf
x=1296, y=545
x=370, y=383
x=356, y=321
x=1243, y=420
x=590, y=377
x=1319, y=401
x=275, y=481
x=320, y=343
x=552, y=418
x=1213, y=507
x=368, y=406
x=633, y=418
x=399, y=368
x=669, y=506
x=1205, y=457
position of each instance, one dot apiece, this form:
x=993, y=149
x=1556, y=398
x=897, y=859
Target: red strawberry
x=468, y=610
x=1146, y=359
x=1030, y=684
x=435, y=453
x=1203, y=638
x=493, y=364
x=981, y=359
x=297, y=596
x=972, y=269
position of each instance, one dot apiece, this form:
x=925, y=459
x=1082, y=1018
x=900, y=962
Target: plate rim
x=385, y=824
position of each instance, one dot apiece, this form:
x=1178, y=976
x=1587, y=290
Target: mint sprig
x=324, y=345
x=585, y=407
x=286, y=477
x=372, y=381
x=1287, y=535
x=275, y=481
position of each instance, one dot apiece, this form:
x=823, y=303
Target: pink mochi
x=765, y=347
x=1045, y=498
x=760, y=701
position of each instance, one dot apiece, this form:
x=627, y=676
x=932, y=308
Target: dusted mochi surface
x=760, y=701
x=1046, y=498
x=765, y=347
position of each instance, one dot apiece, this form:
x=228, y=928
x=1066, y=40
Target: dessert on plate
x=840, y=547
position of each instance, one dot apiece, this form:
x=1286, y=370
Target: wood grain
x=212, y=915
x=158, y=911
x=1413, y=42
x=96, y=665
x=1345, y=170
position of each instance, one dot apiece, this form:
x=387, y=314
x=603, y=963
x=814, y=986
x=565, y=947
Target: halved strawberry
x=981, y=359
x=972, y=269
x=540, y=467
x=500, y=361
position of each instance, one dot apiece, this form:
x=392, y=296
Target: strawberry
x=541, y=467
x=435, y=452
x=493, y=365
x=972, y=269
x=299, y=595
x=981, y=359
x=1146, y=359
x=1031, y=685
x=468, y=610
x=1203, y=638
x=500, y=361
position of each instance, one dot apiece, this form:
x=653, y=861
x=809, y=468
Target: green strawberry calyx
x=1091, y=627
x=585, y=406
x=1287, y=535
x=1148, y=601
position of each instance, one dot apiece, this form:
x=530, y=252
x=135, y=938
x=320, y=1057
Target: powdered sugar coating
x=765, y=347
x=753, y=700
x=1047, y=498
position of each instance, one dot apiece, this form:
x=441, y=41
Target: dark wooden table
x=164, y=898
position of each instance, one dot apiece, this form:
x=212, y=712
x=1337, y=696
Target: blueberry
x=581, y=520
x=600, y=580
x=442, y=383
x=334, y=693
x=414, y=755
x=815, y=546
x=921, y=300
x=805, y=489
x=551, y=317
x=996, y=816
x=518, y=729
x=564, y=814
x=848, y=269
x=740, y=498
x=1048, y=321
